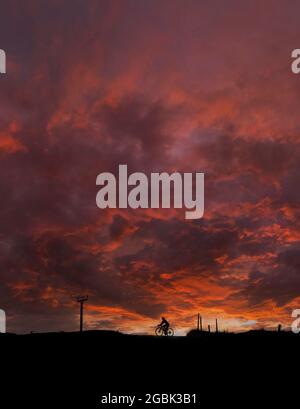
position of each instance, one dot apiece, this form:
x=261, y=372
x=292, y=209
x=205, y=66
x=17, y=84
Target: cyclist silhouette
x=164, y=325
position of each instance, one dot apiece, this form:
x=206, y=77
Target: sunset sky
x=160, y=85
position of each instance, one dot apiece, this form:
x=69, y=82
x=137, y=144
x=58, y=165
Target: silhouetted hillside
x=71, y=370
x=261, y=334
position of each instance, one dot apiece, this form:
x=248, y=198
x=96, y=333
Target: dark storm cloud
x=281, y=284
x=230, y=154
x=173, y=245
x=141, y=126
x=118, y=227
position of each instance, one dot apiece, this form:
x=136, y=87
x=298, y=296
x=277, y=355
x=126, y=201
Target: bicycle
x=159, y=331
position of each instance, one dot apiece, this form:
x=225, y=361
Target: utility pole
x=199, y=323
x=217, y=328
x=81, y=300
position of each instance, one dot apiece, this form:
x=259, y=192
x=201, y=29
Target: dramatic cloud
x=160, y=86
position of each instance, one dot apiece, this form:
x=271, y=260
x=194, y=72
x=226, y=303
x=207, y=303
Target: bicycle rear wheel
x=170, y=332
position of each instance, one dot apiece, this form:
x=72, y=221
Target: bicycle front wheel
x=159, y=331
